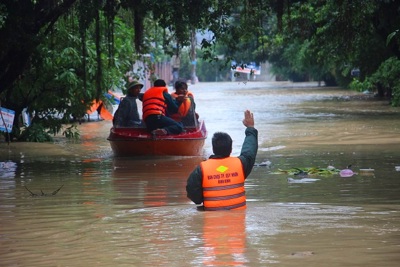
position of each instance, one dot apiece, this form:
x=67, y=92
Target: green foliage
x=43, y=131
x=57, y=67
x=3, y=15
x=391, y=36
x=388, y=73
x=357, y=85
x=396, y=95
x=72, y=132
x=52, y=87
x=310, y=171
x=387, y=77
x=35, y=133
x=212, y=71
x=317, y=40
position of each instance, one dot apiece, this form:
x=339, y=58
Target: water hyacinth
x=310, y=171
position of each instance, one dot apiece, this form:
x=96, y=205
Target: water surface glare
x=112, y=211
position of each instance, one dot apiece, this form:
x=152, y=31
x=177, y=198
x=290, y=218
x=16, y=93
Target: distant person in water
x=186, y=112
x=127, y=114
x=157, y=103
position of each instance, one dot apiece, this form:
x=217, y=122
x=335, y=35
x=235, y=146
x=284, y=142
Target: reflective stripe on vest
x=223, y=184
x=154, y=101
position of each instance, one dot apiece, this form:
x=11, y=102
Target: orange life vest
x=223, y=184
x=154, y=101
x=184, y=107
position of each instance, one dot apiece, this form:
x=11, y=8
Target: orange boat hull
x=138, y=142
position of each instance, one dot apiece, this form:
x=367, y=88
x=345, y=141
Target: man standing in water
x=218, y=182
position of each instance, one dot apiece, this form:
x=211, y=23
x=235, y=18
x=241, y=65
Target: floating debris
x=367, y=171
x=263, y=164
x=302, y=254
x=397, y=168
x=347, y=172
x=301, y=181
x=310, y=171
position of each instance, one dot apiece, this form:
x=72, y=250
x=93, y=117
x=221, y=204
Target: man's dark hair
x=180, y=83
x=159, y=83
x=222, y=144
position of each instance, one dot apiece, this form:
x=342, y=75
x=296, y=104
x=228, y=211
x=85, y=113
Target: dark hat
x=133, y=84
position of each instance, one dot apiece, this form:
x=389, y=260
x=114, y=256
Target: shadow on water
x=134, y=212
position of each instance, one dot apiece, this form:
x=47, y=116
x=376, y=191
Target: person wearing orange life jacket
x=186, y=112
x=218, y=182
x=157, y=102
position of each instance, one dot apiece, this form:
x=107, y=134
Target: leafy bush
x=396, y=95
x=57, y=86
x=72, y=132
x=357, y=85
x=387, y=80
x=35, y=133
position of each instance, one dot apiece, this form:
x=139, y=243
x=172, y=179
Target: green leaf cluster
x=58, y=87
x=56, y=58
x=309, y=171
x=387, y=78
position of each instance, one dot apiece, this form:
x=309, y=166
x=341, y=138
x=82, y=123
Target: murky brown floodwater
x=134, y=211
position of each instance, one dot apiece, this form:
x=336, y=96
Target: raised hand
x=248, y=120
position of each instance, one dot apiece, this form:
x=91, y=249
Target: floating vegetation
x=309, y=171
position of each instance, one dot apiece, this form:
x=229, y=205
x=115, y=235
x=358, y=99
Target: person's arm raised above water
x=248, y=120
x=250, y=145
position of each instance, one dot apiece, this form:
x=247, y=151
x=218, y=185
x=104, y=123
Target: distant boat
x=139, y=142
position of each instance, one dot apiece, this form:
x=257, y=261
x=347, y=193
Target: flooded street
x=114, y=211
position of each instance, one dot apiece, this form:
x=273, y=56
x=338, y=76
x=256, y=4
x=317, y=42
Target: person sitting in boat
x=186, y=112
x=157, y=102
x=127, y=114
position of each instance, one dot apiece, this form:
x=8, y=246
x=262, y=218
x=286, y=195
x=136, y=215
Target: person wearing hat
x=127, y=114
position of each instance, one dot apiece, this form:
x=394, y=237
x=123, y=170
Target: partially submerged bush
x=72, y=132
x=35, y=133
x=39, y=133
x=387, y=80
x=359, y=86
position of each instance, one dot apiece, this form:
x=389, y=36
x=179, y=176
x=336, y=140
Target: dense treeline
x=56, y=57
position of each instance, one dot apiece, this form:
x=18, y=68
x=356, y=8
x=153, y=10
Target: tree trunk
x=193, y=56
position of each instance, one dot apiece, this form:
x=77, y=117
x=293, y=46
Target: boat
x=140, y=142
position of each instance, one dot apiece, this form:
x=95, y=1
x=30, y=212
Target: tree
x=51, y=88
x=25, y=23
x=31, y=70
x=304, y=39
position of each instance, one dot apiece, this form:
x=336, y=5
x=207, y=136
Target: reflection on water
x=134, y=211
x=147, y=182
x=224, y=243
